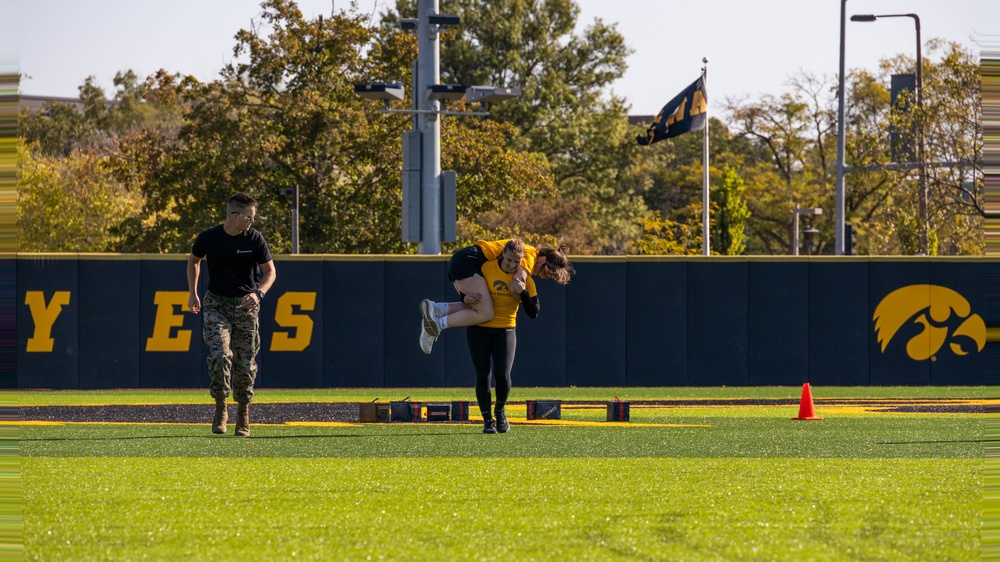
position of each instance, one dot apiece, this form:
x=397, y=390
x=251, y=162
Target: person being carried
x=240, y=272
x=465, y=273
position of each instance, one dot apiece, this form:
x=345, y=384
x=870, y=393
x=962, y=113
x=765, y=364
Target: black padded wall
x=117, y=321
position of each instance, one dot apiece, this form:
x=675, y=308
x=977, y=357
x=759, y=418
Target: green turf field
x=694, y=483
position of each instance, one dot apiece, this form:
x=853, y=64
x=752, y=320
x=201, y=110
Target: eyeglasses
x=248, y=218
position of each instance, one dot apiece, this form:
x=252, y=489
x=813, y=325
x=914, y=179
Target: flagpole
x=706, y=244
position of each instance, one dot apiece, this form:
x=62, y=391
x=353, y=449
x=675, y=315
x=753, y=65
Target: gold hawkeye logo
x=944, y=314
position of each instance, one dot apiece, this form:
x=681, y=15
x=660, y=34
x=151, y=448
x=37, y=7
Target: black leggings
x=498, y=345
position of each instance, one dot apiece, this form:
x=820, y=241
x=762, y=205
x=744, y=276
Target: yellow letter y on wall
x=44, y=317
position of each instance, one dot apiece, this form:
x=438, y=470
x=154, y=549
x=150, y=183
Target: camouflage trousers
x=232, y=335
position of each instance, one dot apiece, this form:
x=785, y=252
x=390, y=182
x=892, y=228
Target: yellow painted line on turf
x=317, y=424
x=848, y=410
x=558, y=423
x=571, y=423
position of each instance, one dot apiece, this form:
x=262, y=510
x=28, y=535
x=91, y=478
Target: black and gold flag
x=686, y=112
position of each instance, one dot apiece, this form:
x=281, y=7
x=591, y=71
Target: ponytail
x=556, y=266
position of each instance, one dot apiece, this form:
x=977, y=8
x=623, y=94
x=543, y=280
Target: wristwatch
x=260, y=295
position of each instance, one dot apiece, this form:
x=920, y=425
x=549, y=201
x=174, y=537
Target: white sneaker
x=430, y=315
x=426, y=341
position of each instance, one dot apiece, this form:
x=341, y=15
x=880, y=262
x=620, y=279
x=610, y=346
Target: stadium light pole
x=841, y=87
x=923, y=195
x=429, y=193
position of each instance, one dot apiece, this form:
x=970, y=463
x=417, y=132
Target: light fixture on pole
x=429, y=209
x=380, y=91
x=490, y=94
x=923, y=195
x=810, y=233
x=796, y=212
x=442, y=92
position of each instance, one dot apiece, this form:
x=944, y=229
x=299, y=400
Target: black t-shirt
x=233, y=261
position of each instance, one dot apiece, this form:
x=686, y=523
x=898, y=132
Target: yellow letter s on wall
x=285, y=317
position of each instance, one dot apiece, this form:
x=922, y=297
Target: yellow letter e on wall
x=166, y=320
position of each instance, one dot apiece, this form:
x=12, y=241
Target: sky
x=753, y=47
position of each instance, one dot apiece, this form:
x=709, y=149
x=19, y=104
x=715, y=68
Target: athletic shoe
x=489, y=426
x=432, y=306
x=426, y=341
x=430, y=318
x=503, y=426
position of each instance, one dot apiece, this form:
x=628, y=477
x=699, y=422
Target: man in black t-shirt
x=240, y=272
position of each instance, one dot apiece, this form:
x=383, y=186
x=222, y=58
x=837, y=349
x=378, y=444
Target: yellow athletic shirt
x=505, y=305
x=493, y=249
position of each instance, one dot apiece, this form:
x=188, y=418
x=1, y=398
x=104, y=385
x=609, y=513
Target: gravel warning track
x=279, y=413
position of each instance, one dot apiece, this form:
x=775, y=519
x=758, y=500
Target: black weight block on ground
x=370, y=412
x=404, y=411
x=544, y=409
x=618, y=411
x=438, y=412
x=459, y=410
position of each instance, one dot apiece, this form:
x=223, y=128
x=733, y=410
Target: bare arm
x=193, y=272
x=518, y=281
x=269, y=277
x=266, y=280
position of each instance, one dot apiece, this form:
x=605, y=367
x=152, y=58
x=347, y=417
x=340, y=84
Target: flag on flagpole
x=686, y=112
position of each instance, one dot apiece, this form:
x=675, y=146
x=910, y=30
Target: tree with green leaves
x=797, y=130
x=670, y=178
x=286, y=115
x=949, y=121
x=90, y=163
x=730, y=214
x=69, y=203
x=559, y=163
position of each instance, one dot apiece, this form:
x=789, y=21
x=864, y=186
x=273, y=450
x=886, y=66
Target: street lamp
x=923, y=195
x=810, y=233
x=795, y=225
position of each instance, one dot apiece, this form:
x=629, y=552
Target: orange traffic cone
x=806, y=410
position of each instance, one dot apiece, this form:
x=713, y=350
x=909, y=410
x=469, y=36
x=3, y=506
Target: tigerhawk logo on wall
x=929, y=316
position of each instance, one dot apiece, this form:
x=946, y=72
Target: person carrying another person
x=492, y=344
x=465, y=273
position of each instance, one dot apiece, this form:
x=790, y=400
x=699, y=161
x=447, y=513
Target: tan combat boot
x=221, y=416
x=243, y=420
